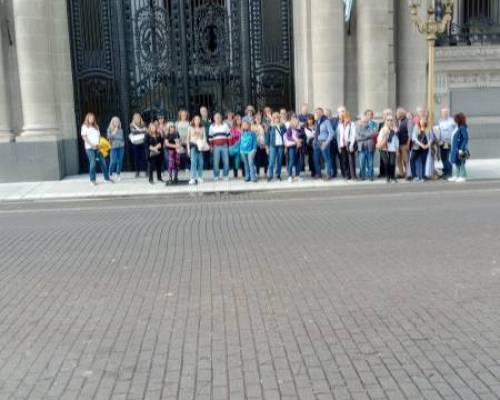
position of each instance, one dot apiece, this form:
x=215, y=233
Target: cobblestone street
x=347, y=293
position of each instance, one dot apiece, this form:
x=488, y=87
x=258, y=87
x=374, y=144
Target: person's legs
x=104, y=167
x=279, y=160
x=244, y=158
x=345, y=163
x=91, y=158
x=298, y=163
x=112, y=161
x=363, y=160
x=413, y=163
x=216, y=161
x=194, y=163
x=251, y=167
x=292, y=153
x=392, y=165
x=310, y=159
x=352, y=164
x=317, y=160
x=272, y=162
x=445, y=159
x=138, y=155
x=158, y=168
x=120, y=155
x=384, y=158
x=150, y=170
x=327, y=157
x=225, y=160
x=370, y=157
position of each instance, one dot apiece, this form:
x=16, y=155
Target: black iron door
x=153, y=56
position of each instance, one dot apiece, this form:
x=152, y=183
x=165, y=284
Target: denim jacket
x=324, y=131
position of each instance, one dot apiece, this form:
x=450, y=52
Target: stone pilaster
x=6, y=134
x=35, y=63
x=375, y=68
x=302, y=52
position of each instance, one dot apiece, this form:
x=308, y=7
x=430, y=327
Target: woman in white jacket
x=346, y=139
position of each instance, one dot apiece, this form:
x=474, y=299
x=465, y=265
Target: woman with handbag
x=420, y=148
x=196, y=145
x=138, y=131
x=292, y=144
x=388, y=145
x=459, y=152
x=154, y=146
x=347, y=145
x=91, y=138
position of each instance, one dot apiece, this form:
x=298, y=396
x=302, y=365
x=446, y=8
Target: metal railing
x=478, y=32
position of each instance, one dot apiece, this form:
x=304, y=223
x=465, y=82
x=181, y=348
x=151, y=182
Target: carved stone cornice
x=467, y=52
x=473, y=79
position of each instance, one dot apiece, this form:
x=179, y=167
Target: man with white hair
x=446, y=127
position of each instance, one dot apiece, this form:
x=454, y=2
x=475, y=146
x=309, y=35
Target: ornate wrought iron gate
x=162, y=55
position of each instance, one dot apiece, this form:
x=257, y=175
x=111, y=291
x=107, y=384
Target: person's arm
x=352, y=136
x=465, y=142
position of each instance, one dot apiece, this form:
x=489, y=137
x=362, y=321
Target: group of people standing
x=325, y=144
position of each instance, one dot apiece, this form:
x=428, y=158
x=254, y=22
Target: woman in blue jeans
x=292, y=144
x=91, y=136
x=420, y=148
x=117, y=141
x=248, y=148
x=196, y=145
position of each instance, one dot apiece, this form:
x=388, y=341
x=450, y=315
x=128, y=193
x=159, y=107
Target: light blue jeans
x=95, y=158
x=249, y=163
x=293, y=162
x=460, y=171
x=221, y=152
x=366, y=163
x=275, y=161
x=196, y=163
x=116, y=160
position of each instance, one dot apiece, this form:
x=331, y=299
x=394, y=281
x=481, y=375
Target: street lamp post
x=431, y=27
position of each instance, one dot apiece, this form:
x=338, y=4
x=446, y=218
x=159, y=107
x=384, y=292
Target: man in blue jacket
x=321, y=145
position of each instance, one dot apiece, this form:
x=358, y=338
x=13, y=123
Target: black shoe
x=151, y=182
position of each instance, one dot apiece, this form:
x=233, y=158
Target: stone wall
x=468, y=81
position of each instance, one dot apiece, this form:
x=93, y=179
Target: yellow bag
x=104, y=147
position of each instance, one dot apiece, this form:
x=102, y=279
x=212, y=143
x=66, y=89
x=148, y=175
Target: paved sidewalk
x=78, y=187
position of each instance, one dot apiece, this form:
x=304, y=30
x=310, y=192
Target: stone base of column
x=6, y=137
x=38, y=158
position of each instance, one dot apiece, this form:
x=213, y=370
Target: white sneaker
x=226, y=179
x=117, y=178
x=290, y=179
x=452, y=179
x=299, y=179
x=192, y=182
x=461, y=180
x=216, y=179
x=200, y=180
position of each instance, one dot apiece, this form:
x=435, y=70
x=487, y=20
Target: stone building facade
x=375, y=61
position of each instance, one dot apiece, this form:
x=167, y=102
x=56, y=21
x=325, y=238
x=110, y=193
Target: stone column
x=411, y=61
x=34, y=55
x=302, y=52
x=6, y=134
x=327, y=53
x=376, y=68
